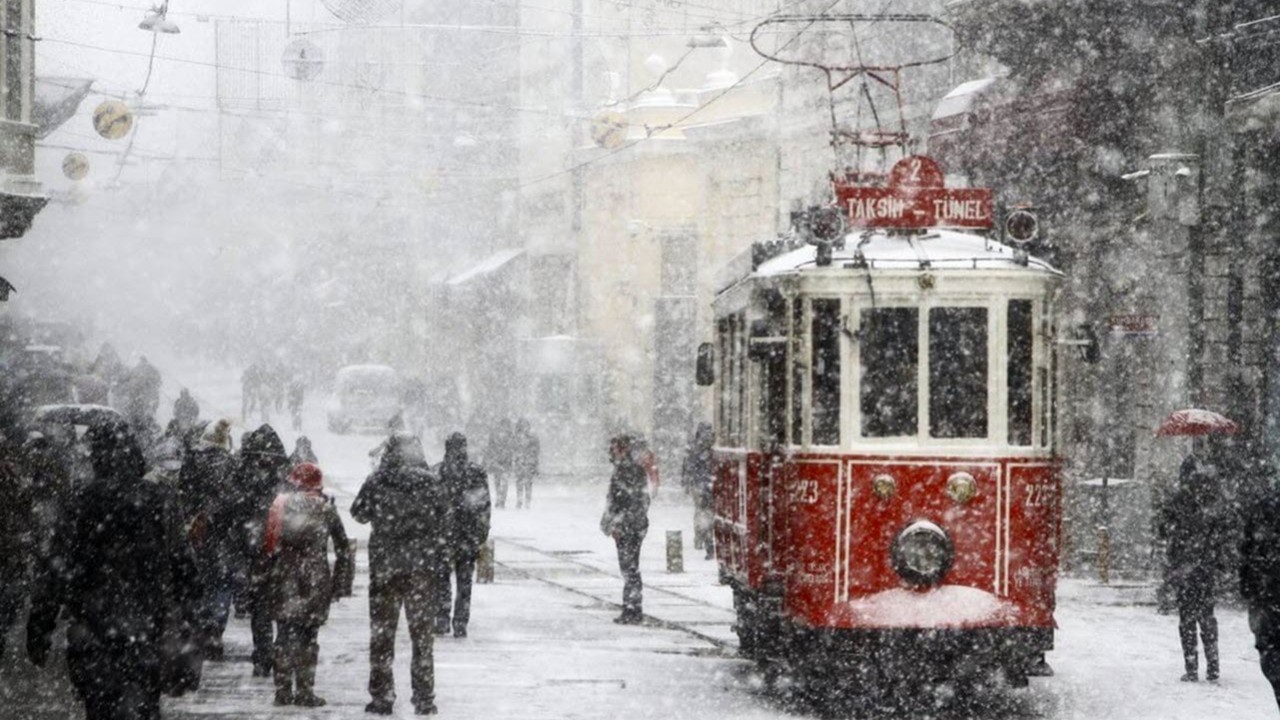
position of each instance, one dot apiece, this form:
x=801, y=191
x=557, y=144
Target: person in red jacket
x=300, y=525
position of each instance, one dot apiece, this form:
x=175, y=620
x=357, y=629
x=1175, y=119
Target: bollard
x=484, y=563
x=1104, y=555
x=675, y=552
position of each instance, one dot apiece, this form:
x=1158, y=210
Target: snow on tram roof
x=938, y=250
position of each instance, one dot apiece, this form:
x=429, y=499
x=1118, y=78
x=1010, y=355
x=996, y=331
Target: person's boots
x=284, y=687
x=1211, y=662
x=306, y=696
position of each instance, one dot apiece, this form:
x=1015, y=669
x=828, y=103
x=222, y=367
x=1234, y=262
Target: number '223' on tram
x=886, y=489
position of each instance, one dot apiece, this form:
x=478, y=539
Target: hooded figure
x=300, y=525
x=468, y=489
x=261, y=472
x=525, y=454
x=209, y=510
x=1191, y=522
x=626, y=520
x=302, y=452
x=409, y=509
x=123, y=572
x=499, y=459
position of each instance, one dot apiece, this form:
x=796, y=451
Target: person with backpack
x=468, y=489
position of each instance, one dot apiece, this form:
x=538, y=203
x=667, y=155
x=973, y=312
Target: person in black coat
x=262, y=470
x=186, y=411
x=697, y=476
x=1192, y=525
x=409, y=510
x=123, y=572
x=626, y=520
x=210, y=513
x=1260, y=580
x=468, y=488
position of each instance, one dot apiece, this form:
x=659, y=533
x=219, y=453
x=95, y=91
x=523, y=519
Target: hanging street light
x=157, y=22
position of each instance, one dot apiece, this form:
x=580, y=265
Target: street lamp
x=157, y=22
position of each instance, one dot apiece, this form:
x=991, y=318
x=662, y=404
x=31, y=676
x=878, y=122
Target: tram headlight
x=961, y=487
x=884, y=486
x=922, y=553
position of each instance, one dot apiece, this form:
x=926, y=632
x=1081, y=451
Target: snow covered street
x=542, y=642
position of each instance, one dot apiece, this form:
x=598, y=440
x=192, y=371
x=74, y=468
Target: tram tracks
x=721, y=647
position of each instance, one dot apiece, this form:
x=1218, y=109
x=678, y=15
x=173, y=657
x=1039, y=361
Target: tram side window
x=724, y=380
x=825, y=426
x=1020, y=338
x=798, y=368
x=958, y=372
x=890, y=356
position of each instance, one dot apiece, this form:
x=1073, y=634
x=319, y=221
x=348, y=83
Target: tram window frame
x=799, y=368
x=1020, y=372
x=889, y=373
x=724, y=381
x=954, y=377
x=826, y=321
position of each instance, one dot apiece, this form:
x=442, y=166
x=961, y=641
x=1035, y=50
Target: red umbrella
x=1194, y=421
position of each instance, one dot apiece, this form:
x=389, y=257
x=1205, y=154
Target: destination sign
x=907, y=208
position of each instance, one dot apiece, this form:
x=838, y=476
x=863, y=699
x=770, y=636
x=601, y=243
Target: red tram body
x=885, y=469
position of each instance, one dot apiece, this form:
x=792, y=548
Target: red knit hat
x=307, y=477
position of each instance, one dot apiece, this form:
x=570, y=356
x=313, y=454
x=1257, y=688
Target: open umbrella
x=1194, y=421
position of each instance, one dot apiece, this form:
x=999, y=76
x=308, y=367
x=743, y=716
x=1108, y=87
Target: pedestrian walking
x=1260, y=580
x=186, y=411
x=498, y=459
x=1192, y=524
x=302, y=452
x=697, y=476
x=297, y=394
x=525, y=452
x=252, y=384
x=409, y=510
x=209, y=511
x=468, y=491
x=262, y=469
x=300, y=526
x=123, y=573
x=626, y=520
x=16, y=536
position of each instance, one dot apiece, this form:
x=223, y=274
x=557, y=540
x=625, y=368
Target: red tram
x=887, y=498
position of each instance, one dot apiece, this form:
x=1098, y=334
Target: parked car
x=365, y=397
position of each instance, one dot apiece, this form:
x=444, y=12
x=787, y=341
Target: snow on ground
x=542, y=644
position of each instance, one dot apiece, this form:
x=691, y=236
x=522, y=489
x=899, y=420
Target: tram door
x=770, y=355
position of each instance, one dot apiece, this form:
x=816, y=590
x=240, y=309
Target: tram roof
x=935, y=250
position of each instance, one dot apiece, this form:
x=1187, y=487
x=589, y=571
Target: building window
x=958, y=372
x=825, y=427
x=890, y=357
x=1019, y=369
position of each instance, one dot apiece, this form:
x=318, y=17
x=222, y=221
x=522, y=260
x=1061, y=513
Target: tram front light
x=962, y=488
x=884, y=486
x=922, y=554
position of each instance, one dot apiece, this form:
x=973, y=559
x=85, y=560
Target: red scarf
x=307, y=478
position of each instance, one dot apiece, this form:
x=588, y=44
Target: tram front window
x=890, y=356
x=1020, y=339
x=958, y=372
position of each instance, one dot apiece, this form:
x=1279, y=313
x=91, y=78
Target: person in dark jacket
x=300, y=525
x=122, y=572
x=468, y=489
x=186, y=411
x=1260, y=580
x=1191, y=523
x=297, y=394
x=498, y=459
x=16, y=536
x=697, y=477
x=409, y=510
x=525, y=456
x=209, y=511
x=626, y=520
x=262, y=470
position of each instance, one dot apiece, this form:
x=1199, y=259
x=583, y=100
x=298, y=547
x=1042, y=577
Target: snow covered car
x=364, y=397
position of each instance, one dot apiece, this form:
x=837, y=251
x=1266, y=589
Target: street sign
x=75, y=166
x=609, y=130
x=112, y=119
x=915, y=198
x=1134, y=325
x=303, y=59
